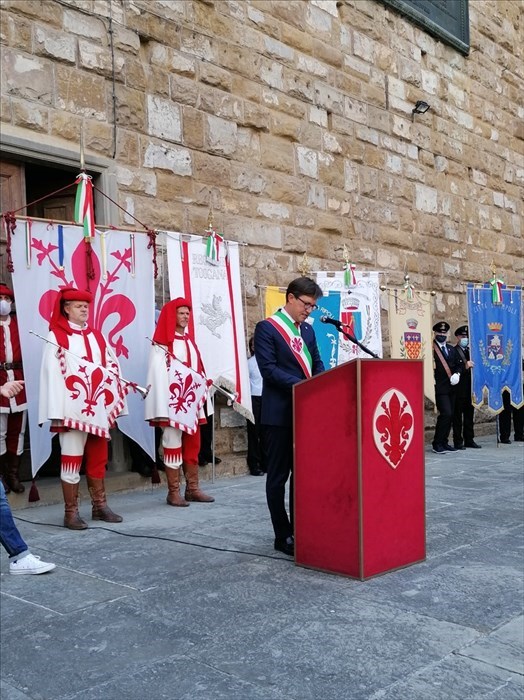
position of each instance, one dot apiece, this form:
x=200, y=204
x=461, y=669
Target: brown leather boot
x=173, y=488
x=193, y=492
x=72, y=519
x=101, y=511
x=3, y=472
x=12, y=474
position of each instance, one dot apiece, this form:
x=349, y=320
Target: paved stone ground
x=194, y=604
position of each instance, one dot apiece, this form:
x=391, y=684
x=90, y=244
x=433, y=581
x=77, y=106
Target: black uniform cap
x=441, y=327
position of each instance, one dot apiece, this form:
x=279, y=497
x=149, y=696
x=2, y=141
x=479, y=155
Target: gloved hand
x=454, y=379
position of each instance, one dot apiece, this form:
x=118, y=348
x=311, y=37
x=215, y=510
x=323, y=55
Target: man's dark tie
x=445, y=351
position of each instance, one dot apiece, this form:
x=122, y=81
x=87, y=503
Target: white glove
x=454, y=379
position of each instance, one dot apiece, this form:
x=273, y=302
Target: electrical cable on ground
x=162, y=539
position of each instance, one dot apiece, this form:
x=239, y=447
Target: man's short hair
x=303, y=286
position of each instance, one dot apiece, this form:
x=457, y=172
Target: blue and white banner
x=359, y=310
x=495, y=333
x=326, y=334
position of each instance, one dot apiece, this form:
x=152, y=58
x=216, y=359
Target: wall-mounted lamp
x=420, y=107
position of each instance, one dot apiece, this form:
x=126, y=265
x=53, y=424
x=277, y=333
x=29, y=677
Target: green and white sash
x=291, y=335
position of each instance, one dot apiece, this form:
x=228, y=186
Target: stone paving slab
x=195, y=604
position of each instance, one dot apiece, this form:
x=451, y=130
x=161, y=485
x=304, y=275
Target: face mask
x=5, y=307
x=464, y=342
x=441, y=338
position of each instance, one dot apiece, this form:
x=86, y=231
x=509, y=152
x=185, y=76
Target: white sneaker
x=30, y=565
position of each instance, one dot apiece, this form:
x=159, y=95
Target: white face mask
x=5, y=307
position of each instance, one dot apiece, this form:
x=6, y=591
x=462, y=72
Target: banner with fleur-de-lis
x=119, y=274
x=217, y=319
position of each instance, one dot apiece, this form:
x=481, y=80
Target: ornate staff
x=133, y=385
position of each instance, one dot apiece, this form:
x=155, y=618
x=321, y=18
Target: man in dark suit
x=447, y=375
x=286, y=351
x=463, y=433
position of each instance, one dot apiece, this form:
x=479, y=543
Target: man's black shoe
x=459, y=446
x=506, y=441
x=473, y=445
x=439, y=450
x=286, y=546
x=256, y=472
x=448, y=448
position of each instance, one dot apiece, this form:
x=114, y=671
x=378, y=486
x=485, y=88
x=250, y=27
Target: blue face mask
x=441, y=338
x=464, y=342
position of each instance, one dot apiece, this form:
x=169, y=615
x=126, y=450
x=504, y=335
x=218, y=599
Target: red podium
x=359, y=468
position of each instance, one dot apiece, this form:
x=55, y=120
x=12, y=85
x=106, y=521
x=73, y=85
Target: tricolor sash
x=291, y=335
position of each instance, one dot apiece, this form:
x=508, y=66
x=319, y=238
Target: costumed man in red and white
x=13, y=411
x=82, y=395
x=175, y=401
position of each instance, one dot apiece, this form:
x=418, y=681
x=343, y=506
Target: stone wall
x=293, y=121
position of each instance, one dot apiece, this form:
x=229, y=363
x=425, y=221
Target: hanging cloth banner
x=410, y=331
x=495, y=341
x=327, y=335
x=123, y=309
x=359, y=310
x=217, y=321
x=275, y=299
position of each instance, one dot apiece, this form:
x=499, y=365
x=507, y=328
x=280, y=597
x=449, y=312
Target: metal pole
x=213, y=440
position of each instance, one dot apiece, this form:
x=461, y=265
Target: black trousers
x=505, y=419
x=256, y=451
x=278, y=441
x=206, y=440
x=445, y=407
x=463, y=421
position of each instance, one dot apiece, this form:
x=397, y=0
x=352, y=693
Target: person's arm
x=10, y=389
x=265, y=352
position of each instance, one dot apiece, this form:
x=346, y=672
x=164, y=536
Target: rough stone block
x=29, y=115
x=256, y=116
x=307, y=162
x=166, y=157
x=27, y=77
x=245, y=178
x=212, y=169
x=163, y=119
x=54, y=44
x=130, y=108
x=212, y=75
x=426, y=199
x=221, y=136
x=98, y=59
x=277, y=153
x=84, y=25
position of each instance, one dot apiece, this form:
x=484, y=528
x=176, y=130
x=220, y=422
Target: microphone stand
x=357, y=342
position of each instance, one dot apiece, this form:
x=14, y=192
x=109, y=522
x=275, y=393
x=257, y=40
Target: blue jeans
x=10, y=538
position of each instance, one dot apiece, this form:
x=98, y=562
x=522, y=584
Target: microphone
x=333, y=321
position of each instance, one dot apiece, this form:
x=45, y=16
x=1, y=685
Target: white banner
x=217, y=321
x=49, y=256
x=359, y=309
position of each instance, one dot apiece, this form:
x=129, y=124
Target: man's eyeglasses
x=307, y=305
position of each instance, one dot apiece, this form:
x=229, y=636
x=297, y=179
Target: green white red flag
x=84, y=208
